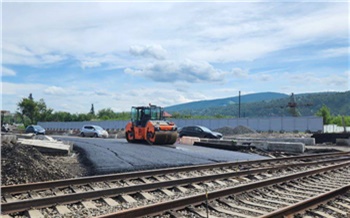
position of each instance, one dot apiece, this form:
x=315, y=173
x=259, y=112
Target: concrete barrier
x=188, y=140
x=289, y=147
x=343, y=142
x=305, y=141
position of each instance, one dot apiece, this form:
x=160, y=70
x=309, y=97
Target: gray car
x=93, y=131
x=36, y=129
x=199, y=131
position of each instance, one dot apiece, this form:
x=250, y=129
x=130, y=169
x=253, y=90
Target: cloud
x=153, y=51
x=54, y=90
x=171, y=71
x=89, y=64
x=7, y=72
x=335, y=52
x=240, y=73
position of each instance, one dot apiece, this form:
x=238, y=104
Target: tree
x=106, y=114
x=31, y=111
x=92, y=110
x=43, y=112
x=325, y=113
x=27, y=108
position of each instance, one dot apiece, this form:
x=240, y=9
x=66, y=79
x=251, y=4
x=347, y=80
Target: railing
x=288, y=124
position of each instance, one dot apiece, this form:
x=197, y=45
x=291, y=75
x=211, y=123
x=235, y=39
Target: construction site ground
x=25, y=164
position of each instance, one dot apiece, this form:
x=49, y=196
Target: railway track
x=127, y=192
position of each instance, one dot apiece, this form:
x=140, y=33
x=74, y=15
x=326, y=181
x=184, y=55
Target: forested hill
x=307, y=105
x=199, y=105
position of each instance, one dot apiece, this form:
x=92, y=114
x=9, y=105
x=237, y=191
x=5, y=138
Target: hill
x=200, y=105
x=256, y=106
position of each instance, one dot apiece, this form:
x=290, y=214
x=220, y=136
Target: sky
x=122, y=54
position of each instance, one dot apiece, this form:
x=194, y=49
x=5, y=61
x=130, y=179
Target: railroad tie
x=209, y=184
x=57, y=192
x=145, y=180
x=159, y=178
x=62, y=209
x=111, y=184
x=127, y=199
x=196, y=186
x=110, y=202
x=34, y=195
x=343, y=205
x=322, y=214
x=96, y=188
x=220, y=182
x=257, y=204
x=76, y=189
x=146, y=195
x=281, y=197
x=222, y=210
x=199, y=212
x=35, y=214
x=234, y=206
x=181, y=189
x=233, y=180
x=336, y=210
x=89, y=205
x=269, y=200
x=174, y=214
x=167, y=192
x=170, y=177
x=9, y=198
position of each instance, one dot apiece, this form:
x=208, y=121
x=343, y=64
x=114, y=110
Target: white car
x=93, y=131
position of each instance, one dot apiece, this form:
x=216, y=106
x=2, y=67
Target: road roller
x=148, y=124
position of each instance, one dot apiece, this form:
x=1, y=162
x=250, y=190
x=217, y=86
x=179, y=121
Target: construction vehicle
x=148, y=124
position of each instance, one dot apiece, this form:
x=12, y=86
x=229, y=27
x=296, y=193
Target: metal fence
x=288, y=124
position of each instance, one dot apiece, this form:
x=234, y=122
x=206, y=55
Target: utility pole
x=239, y=104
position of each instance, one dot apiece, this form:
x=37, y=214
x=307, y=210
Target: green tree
x=325, y=113
x=43, y=112
x=27, y=108
x=92, y=110
x=106, y=114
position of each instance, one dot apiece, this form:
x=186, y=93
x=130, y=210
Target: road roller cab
x=148, y=124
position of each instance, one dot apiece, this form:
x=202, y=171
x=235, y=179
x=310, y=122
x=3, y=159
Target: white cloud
x=171, y=71
x=335, y=52
x=54, y=90
x=240, y=73
x=89, y=64
x=7, y=72
x=154, y=51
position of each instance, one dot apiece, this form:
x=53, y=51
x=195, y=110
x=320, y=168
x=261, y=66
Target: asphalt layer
x=104, y=156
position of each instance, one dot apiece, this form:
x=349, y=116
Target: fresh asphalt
x=104, y=156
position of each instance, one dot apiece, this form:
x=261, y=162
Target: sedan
x=93, y=131
x=199, y=131
x=36, y=129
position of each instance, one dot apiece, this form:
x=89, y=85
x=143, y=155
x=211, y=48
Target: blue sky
x=119, y=54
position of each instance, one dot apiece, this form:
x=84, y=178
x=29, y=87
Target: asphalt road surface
x=104, y=156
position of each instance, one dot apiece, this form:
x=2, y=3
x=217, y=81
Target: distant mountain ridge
x=199, y=105
x=268, y=104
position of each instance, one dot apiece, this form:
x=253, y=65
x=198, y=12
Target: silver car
x=93, y=131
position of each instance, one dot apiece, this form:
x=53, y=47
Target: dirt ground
x=24, y=164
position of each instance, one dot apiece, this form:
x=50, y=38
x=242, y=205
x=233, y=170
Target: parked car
x=93, y=131
x=36, y=129
x=199, y=131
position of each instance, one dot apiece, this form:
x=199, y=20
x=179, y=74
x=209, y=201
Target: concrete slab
x=186, y=140
x=306, y=141
x=345, y=142
x=290, y=147
x=47, y=146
